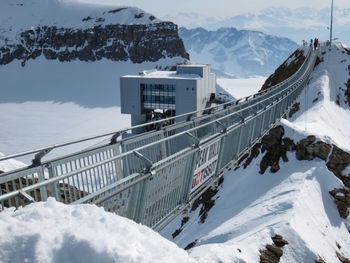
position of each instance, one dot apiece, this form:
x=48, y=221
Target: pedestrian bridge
x=152, y=177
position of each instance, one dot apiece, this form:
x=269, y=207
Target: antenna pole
x=331, y=30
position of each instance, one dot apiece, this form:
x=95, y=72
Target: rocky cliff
x=138, y=43
x=91, y=34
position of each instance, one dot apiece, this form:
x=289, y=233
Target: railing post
x=54, y=186
x=43, y=190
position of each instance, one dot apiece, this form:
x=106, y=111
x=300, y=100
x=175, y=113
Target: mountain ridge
x=242, y=53
x=66, y=31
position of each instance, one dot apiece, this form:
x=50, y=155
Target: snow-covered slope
x=20, y=15
x=250, y=208
x=240, y=53
x=54, y=232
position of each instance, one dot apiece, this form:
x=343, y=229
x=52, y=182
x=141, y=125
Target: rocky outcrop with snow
x=237, y=52
x=65, y=30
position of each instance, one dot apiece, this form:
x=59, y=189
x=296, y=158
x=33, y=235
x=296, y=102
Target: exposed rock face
x=295, y=108
x=273, y=253
x=337, y=159
x=287, y=69
x=318, y=61
x=138, y=43
x=337, y=163
x=347, y=92
x=342, y=259
x=320, y=260
x=342, y=200
x=309, y=148
x=275, y=148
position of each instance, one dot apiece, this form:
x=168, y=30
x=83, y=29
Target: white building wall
x=191, y=94
x=130, y=96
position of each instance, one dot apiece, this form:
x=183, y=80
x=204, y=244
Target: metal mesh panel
x=17, y=180
x=165, y=190
x=86, y=174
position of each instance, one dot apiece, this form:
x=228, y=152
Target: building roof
x=163, y=75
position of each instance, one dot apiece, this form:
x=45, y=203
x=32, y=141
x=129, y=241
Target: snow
x=164, y=75
x=242, y=87
x=53, y=232
x=10, y=165
x=18, y=15
x=31, y=125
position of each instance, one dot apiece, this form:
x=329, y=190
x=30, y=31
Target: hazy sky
x=219, y=8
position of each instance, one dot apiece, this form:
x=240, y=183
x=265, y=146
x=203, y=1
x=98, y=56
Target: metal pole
x=331, y=29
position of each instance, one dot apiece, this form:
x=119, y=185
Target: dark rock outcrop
x=179, y=230
x=337, y=159
x=337, y=162
x=320, y=260
x=347, y=92
x=191, y=245
x=342, y=200
x=287, y=69
x=275, y=148
x=309, y=148
x=273, y=253
x=342, y=259
x=137, y=42
x=207, y=201
x=295, y=108
x=318, y=61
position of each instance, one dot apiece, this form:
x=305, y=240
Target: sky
x=217, y=8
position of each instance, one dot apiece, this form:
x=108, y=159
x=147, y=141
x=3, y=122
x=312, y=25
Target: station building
x=167, y=93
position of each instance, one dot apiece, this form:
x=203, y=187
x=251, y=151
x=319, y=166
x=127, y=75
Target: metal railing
x=152, y=176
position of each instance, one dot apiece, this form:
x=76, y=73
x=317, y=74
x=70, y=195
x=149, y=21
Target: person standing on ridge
x=315, y=43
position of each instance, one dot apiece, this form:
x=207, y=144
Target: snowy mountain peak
x=70, y=30
x=237, y=52
x=20, y=15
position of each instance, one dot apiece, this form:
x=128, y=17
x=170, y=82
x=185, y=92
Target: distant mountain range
x=297, y=24
x=237, y=53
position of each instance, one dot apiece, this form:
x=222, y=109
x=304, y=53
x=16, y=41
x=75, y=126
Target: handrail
x=240, y=102
x=151, y=177
x=121, y=155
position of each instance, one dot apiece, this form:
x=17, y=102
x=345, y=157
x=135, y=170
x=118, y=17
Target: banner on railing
x=206, y=164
